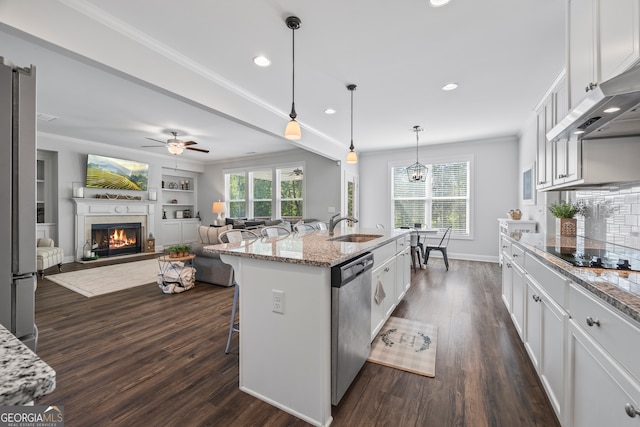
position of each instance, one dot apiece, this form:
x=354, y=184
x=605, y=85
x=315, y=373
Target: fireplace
x=116, y=239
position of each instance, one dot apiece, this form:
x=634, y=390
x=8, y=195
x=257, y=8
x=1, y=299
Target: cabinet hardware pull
x=508, y=265
x=590, y=86
x=562, y=176
x=591, y=321
x=631, y=410
x=386, y=270
x=515, y=255
x=504, y=246
x=536, y=298
x=542, y=182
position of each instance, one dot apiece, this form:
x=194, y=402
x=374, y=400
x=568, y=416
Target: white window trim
x=276, y=199
x=442, y=159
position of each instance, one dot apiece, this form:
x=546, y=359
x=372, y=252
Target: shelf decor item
x=565, y=213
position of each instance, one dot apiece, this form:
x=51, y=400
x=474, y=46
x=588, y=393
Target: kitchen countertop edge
x=387, y=237
x=623, y=300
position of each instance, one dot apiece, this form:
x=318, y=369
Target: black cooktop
x=621, y=259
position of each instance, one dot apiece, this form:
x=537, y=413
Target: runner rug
x=112, y=278
x=407, y=345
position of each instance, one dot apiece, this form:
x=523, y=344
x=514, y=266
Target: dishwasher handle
x=348, y=271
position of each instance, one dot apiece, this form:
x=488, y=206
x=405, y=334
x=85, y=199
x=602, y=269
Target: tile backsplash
x=611, y=216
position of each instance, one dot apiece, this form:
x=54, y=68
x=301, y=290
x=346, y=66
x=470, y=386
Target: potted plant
x=174, y=251
x=565, y=213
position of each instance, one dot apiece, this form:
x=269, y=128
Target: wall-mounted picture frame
x=529, y=185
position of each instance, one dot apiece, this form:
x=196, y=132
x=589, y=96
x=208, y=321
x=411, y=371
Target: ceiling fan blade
x=152, y=146
x=157, y=140
x=196, y=149
x=185, y=143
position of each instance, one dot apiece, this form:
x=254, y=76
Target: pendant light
x=417, y=172
x=352, y=157
x=292, y=131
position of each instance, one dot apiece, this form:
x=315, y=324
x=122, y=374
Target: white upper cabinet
x=604, y=40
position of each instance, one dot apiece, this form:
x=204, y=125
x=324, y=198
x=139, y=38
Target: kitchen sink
x=355, y=238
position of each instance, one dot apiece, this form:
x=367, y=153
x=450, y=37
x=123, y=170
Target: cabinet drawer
x=553, y=283
x=617, y=335
x=505, y=245
x=383, y=253
x=402, y=242
x=517, y=255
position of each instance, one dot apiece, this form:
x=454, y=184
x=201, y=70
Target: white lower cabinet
x=392, y=274
x=179, y=231
x=600, y=388
x=584, y=351
x=545, y=332
x=517, y=307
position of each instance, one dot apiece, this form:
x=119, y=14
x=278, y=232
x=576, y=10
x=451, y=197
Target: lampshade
x=292, y=131
x=175, y=148
x=352, y=157
x=218, y=207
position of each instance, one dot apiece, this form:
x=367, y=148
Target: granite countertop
x=619, y=288
x=24, y=377
x=310, y=248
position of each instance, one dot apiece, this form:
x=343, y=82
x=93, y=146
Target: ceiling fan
x=296, y=173
x=176, y=146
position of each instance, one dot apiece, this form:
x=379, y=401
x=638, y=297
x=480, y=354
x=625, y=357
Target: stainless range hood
x=590, y=118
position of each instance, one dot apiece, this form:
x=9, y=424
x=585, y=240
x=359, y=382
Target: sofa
x=209, y=267
x=48, y=255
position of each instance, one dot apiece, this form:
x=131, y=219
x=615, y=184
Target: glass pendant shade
x=352, y=157
x=175, y=148
x=292, y=131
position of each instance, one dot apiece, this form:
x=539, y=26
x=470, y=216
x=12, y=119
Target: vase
x=567, y=226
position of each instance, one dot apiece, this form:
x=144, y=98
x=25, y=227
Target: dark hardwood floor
x=142, y=358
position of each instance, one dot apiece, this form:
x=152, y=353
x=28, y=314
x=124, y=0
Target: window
x=256, y=200
x=443, y=200
x=235, y=184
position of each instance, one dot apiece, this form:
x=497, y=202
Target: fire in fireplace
x=116, y=239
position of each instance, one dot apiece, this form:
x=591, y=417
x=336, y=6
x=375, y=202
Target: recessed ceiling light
x=438, y=3
x=329, y=111
x=450, y=86
x=261, y=61
x=612, y=110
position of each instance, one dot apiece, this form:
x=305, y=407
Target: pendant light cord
x=351, y=148
x=293, y=73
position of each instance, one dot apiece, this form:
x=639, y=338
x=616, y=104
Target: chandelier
x=417, y=172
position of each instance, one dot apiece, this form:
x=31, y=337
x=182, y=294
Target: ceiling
x=118, y=72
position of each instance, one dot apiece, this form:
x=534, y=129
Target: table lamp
x=218, y=207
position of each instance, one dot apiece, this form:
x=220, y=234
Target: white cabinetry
x=604, y=40
x=391, y=275
x=179, y=207
x=508, y=226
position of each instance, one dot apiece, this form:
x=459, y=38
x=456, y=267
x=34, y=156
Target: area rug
x=407, y=345
x=107, y=279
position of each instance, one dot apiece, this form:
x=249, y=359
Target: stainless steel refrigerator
x=18, y=201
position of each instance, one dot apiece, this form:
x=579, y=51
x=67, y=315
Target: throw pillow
x=209, y=235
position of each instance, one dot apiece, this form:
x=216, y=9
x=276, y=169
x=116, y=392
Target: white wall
x=72, y=163
x=322, y=178
x=494, y=189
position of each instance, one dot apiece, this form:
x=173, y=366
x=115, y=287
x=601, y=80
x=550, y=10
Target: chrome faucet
x=333, y=222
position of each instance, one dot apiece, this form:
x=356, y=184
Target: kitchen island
x=24, y=377
x=285, y=358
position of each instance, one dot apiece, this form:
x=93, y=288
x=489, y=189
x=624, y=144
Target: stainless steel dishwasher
x=350, y=322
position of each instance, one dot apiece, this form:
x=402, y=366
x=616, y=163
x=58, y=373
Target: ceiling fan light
x=352, y=157
x=292, y=131
x=174, y=148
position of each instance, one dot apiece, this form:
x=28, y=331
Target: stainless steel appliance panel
x=350, y=322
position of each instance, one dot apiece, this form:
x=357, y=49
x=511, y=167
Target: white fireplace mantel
x=90, y=209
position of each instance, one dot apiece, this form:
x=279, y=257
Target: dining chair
x=304, y=228
x=379, y=226
x=235, y=236
x=416, y=253
x=322, y=226
x=442, y=247
x=274, y=231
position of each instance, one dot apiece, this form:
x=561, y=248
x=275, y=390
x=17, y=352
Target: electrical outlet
x=278, y=301
x=332, y=209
